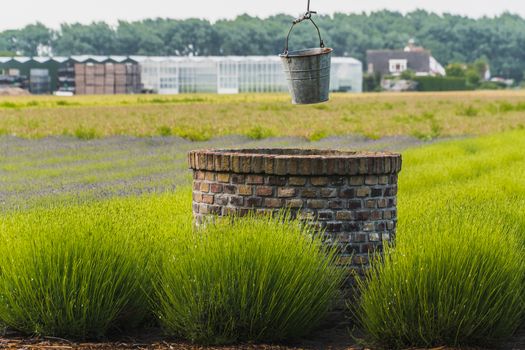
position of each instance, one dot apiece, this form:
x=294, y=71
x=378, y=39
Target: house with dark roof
x=395, y=62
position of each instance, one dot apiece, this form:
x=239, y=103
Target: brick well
x=352, y=196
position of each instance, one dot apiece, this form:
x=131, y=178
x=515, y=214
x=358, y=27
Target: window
x=397, y=66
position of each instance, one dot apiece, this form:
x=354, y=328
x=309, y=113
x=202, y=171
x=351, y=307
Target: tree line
x=498, y=40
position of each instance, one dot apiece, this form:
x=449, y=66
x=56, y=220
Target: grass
x=251, y=280
x=200, y=117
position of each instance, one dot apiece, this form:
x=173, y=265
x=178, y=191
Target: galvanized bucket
x=307, y=71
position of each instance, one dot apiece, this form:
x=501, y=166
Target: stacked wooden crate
x=107, y=78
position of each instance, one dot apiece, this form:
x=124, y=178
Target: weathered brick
x=222, y=199
x=254, y=179
x=280, y=166
x=286, y=192
x=371, y=180
x=245, y=190
x=325, y=215
x=230, y=189
x=214, y=209
x=207, y=198
x=363, y=215
x=337, y=204
x=236, y=163
x=363, y=165
x=205, y=187
x=390, y=225
x=360, y=259
x=319, y=181
x=216, y=188
x=305, y=167
x=382, y=203
x=385, y=236
x=334, y=226
x=357, y=180
x=317, y=204
x=383, y=180
x=343, y=237
x=363, y=192
x=195, y=207
x=371, y=203
x=197, y=197
x=344, y=215
x=374, y=237
x=273, y=202
x=359, y=237
x=276, y=180
x=347, y=193
x=328, y=192
x=264, y=191
x=369, y=226
x=309, y=193
x=296, y=181
x=268, y=165
x=257, y=164
x=237, y=179
x=389, y=214
x=376, y=192
x=294, y=203
x=200, y=175
x=236, y=201
x=355, y=204
x=376, y=215
x=223, y=177
x=253, y=202
x=196, y=185
x=203, y=209
x=210, y=176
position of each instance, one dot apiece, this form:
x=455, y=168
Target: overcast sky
x=17, y=13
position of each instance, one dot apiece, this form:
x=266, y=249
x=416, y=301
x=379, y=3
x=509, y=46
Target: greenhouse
x=234, y=74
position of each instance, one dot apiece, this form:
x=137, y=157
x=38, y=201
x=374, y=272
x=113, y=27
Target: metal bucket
x=307, y=71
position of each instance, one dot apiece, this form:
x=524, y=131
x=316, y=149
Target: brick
x=359, y=237
x=355, y=204
x=383, y=180
x=390, y=225
x=371, y=180
x=376, y=192
x=319, y=181
x=317, y=203
x=382, y=203
x=264, y=191
x=216, y=188
x=222, y=199
x=371, y=203
x=254, y=180
x=268, y=165
x=309, y=193
x=307, y=215
x=230, y=189
x=337, y=204
x=246, y=165
x=236, y=163
x=343, y=237
x=328, y=192
x=293, y=164
x=385, y=237
x=286, y=192
x=369, y=226
x=205, y=187
x=197, y=197
x=276, y=180
x=347, y=193
x=257, y=164
x=363, y=215
x=203, y=209
x=210, y=176
x=253, y=202
x=376, y=215
x=363, y=192
x=237, y=201
x=296, y=181
x=216, y=162
x=215, y=209
x=280, y=166
x=245, y=190
x=273, y=203
x=337, y=180
x=200, y=175
x=237, y=179
x=294, y=203
x=360, y=259
x=225, y=163
x=344, y=215
x=374, y=237
x=380, y=226
x=363, y=165
x=357, y=180
x=223, y=177
x=389, y=214
x=195, y=207
x=196, y=185
x=305, y=167
x=344, y=260
x=208, y=198
x=325, y=215
x=334, y=226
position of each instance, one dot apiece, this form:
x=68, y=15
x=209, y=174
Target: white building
x=234, y=74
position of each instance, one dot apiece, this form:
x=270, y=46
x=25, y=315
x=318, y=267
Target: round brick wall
x=350, y=195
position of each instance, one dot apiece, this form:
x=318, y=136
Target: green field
x=461, y=210
x=200, y=117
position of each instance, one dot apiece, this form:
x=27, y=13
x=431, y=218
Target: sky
x=18, y=13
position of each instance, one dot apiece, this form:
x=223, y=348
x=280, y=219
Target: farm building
x=395, y=62
x=38, y=74
x=234, y=74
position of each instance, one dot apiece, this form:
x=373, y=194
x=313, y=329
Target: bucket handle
x=307, y=16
